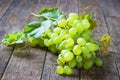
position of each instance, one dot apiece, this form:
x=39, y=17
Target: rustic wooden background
x=40, y=63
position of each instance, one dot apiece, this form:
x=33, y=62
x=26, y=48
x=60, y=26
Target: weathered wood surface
x=112, y=18
x=22, y=65
x=39, y=64
x=4, y=6
x=109, y=70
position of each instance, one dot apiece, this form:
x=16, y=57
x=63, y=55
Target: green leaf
x=35, y=29
x=50, y=13
x=16, y=37
x=30, y=26
x=36, y=33
x=93, y=23
x=48, y=17
x=88, y=16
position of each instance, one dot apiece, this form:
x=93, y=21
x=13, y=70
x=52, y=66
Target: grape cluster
x=73, y=40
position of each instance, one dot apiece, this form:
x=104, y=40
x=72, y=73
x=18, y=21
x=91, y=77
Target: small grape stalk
x=105, y=42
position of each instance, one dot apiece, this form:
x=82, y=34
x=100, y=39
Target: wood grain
x=49, y=72
x=109, y=70
x=39, y=64
x=4, y=6
x=24, y=64
x=95, y=73
x=112, y=17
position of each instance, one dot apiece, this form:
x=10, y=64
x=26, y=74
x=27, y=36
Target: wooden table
x=40, y=64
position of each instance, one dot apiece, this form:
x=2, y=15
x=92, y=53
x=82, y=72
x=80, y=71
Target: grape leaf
x=50, y=13
x=35, y=29
x=13, y=38
x=93, y=23
x=37, y=32
x=48, y=19
x=32, y=25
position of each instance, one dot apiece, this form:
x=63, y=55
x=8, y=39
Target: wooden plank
x=108, y=71
x=5, y=52
x=101, y=29
x=4, y=6
x=112, y=15
x=26, y=64
x=49, y=72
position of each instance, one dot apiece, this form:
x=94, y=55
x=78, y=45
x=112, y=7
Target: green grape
x=41, y=43
x=85, y=36
x=72, y=63
x=64, y=42
x=79, y=27
x=73, y=15
x=33, y=42
x=50, y=42
x=48, y=31
x=60, y=60
x=53, y=35
x=62, y=45
x=92, y=47
x=49, y=34
x=88, y=64
x=57, y=30
x=60, y=69
x=92, y=40
x=81, y=41
x=69, y=48
x=61, y=36
x=77, y=50
x=57, y=46
x=78, y=58
x=79, y=65
x=86, y=53
x=85, y=49
x=46, y=42
x=98, y=62
x=88, y=32
x=64, y=52
x=70, y=42
x=53, y=49
x=70, y=21
x=76, y=36
x=62, y=23
x=72, y=31
x=57, y=40
x=76, y=22
x=85, y=24
x=63, y=32
x=68, y=56
x=67, y=70
x=67, y=36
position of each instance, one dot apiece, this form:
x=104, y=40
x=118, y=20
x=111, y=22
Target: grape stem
x=39, y=16
x=86, y=8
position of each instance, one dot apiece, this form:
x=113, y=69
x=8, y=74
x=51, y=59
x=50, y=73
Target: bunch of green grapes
x=73, y=41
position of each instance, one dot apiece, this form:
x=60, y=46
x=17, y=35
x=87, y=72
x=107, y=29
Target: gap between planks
x=4, y=13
